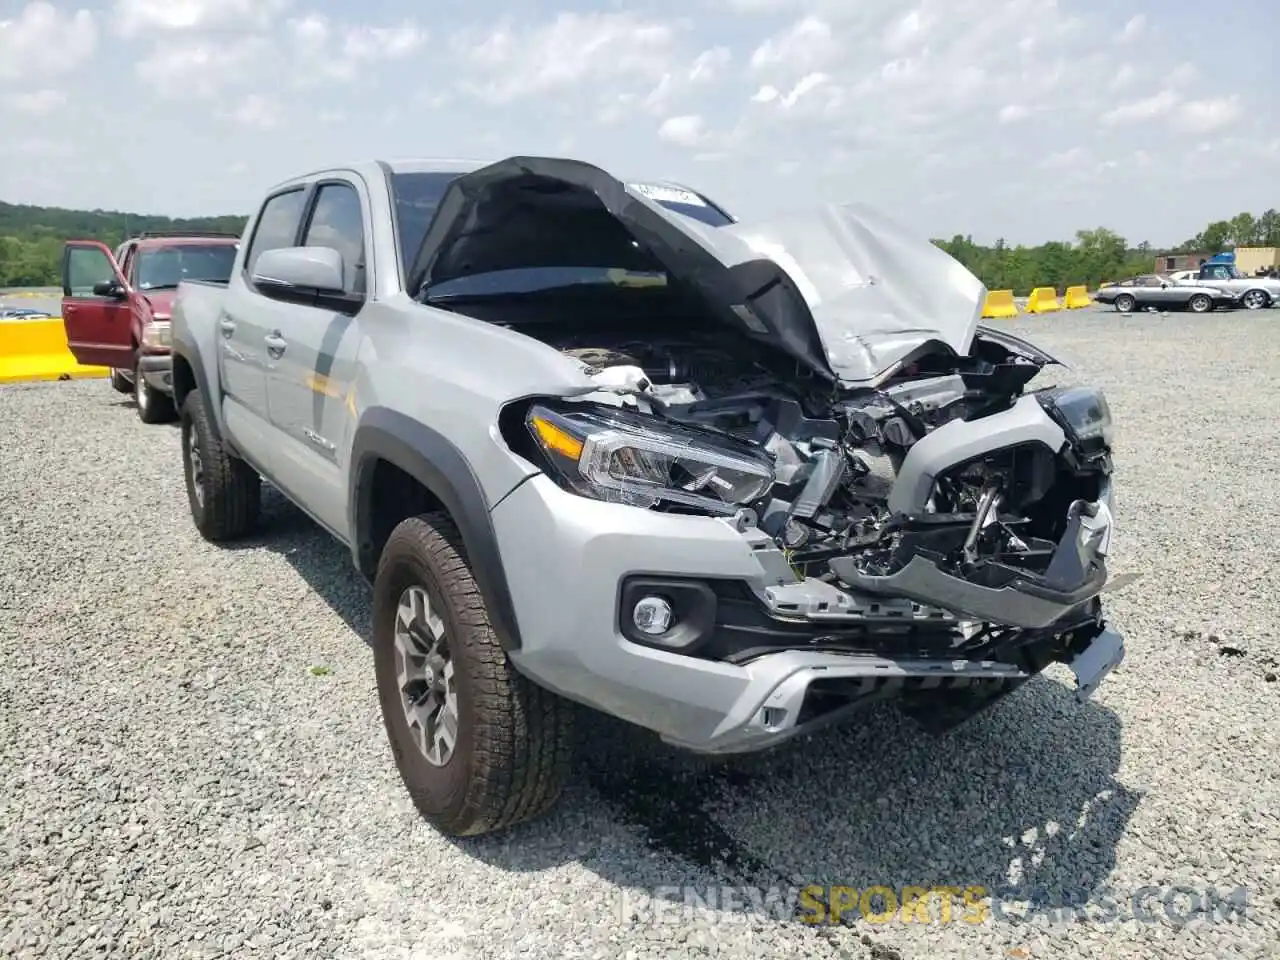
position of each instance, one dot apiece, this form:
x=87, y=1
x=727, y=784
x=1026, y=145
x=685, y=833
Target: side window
x=336, y=222
x=277, y=226
x=85, y=267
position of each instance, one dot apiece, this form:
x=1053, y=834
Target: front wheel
x=1255, y=299
x=1200, y=303
x=478, y=746
x=154, y=406
x=1125, y=303
x=223, y=491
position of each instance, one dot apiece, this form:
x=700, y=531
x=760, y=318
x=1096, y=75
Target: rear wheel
x=223, y=491
x=154, y=406
x=1125, y=303
x=120, y=382
x=1200, y=303
x=478, y=746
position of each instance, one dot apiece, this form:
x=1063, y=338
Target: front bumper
x=157, y=370
x=773, y=650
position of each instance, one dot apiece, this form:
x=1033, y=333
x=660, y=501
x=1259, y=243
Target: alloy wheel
x=1255, y=300
x=424, y=673
x=197, y=463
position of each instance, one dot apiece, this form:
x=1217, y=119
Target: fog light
x=651, y=615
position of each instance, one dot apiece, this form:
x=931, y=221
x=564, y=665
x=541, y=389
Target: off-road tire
x=1200, y=303
x=154, y=406
x=119, y=382
x=1124, y=299
x=514, y=747
x=232, y=490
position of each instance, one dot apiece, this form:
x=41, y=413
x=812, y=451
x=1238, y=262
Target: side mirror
x=290, y=273
x=109, y=288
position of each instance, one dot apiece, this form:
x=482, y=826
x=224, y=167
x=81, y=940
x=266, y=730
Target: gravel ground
x=194, y=765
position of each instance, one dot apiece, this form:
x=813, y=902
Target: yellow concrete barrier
x=1043, y=300
x=37, y=350
x=999, y=304
x=1076, y=297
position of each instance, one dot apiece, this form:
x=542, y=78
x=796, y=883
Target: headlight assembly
x=156, y=333
x=610, y=454
x=1084, y=416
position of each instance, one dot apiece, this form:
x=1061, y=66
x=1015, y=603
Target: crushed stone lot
x=192, y=763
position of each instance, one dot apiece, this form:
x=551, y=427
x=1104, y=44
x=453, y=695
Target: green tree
x=1269, y=229
x=1244, y=230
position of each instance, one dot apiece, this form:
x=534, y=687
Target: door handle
x=227, y=326
x=275, y=344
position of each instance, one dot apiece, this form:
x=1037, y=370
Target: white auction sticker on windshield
x=660, y=193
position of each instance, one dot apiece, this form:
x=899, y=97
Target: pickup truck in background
x=1253, y=293
x=115, y=306
x=592, y=440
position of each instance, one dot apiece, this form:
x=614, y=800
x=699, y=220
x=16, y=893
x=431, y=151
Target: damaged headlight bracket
x=1085, y=417
x=610, y=454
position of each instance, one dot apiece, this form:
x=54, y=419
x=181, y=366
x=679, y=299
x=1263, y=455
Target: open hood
x=844, y=290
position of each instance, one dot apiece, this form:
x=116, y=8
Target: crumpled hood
x=842, y=288
x=875, y=291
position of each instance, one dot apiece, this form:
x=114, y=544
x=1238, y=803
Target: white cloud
x=140, y=17
x=571, y=52
x=806, y=43
x=197, y=69
x=42, y=36
x=1205, y=116
x=324, y=50
x=708, y=64
x=895, y=102
x=1064, y=159
x=1183, y=74
x=684, y=131
x=36, y=102
x=391, y=43
x=1148, y=108
x=256, y=112
x=908, y=31
x=1124, y=76
x=1132, y=29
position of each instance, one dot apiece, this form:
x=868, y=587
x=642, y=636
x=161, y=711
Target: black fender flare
x=190, y=353
x=441, y=468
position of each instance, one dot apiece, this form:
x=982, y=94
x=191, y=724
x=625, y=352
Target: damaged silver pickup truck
x=596, y=441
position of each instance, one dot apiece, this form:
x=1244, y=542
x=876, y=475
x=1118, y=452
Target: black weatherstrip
x=435, y=463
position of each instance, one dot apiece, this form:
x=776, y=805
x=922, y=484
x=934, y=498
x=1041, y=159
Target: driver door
x=95, y=306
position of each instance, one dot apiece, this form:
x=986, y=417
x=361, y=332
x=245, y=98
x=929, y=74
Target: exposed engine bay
x=836, y=454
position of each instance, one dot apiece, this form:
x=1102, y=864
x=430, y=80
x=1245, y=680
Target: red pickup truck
x=115, y=306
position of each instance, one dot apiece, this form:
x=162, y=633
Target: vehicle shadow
x=1023, y=797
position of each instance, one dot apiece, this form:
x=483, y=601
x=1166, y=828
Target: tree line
x=31, y=241
x=31, y=237
x=1101, y=255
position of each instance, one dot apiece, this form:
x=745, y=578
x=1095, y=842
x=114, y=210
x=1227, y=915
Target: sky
x=1018, y=119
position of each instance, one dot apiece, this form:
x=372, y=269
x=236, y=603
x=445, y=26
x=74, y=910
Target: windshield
x=416, y=196
x=163, y=268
